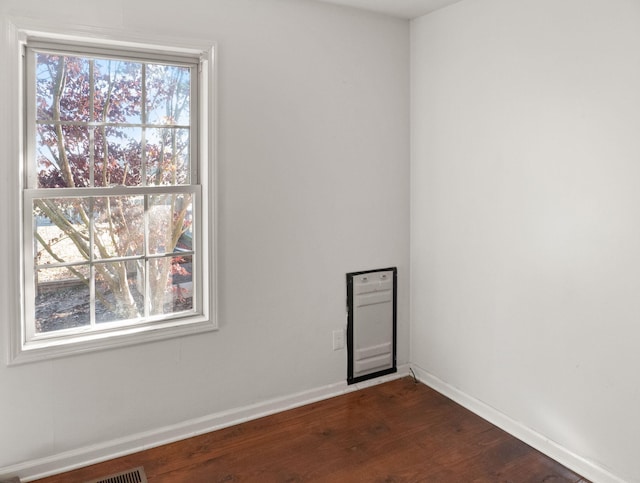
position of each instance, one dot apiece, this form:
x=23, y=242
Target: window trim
x=20, y=351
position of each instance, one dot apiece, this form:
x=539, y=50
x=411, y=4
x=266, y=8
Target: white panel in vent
x=372, y=319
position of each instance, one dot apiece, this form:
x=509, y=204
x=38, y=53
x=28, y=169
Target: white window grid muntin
x=31, y=193
x=31, y=119
x=30, y=333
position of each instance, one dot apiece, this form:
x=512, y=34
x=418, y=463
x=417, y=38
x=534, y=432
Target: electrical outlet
x=338, y=339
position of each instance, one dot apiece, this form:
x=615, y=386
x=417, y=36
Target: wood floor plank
x=396, y=432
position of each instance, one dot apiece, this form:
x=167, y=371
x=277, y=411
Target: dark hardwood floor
x=399, y=431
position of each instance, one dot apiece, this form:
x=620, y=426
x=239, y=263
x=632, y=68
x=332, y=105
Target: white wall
x=525, y=223
x=313, y=183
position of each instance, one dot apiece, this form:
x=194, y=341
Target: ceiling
x=398, y=8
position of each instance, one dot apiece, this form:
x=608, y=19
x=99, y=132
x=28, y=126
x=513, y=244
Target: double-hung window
x=115, y=222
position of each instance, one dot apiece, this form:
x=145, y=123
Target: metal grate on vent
x=135, y=475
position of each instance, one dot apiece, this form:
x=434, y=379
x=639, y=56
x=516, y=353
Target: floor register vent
x=135, y=475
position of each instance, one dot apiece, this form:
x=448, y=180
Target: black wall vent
x=371, y=323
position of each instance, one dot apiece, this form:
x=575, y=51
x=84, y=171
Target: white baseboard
x=562, y=455
x=78, y=458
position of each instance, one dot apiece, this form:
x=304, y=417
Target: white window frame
x=27, y=349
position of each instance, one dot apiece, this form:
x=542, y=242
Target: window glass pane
x=46, y=73
x=118, y=156
x=168, y=94
x=62, y=298
x=119, y=226
x=170, y=222
x=62, y=156
x=62, y=88
x=118, y=91
x=171, y=284
x=61, y=230
x=119, y=291
x=167, y=156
